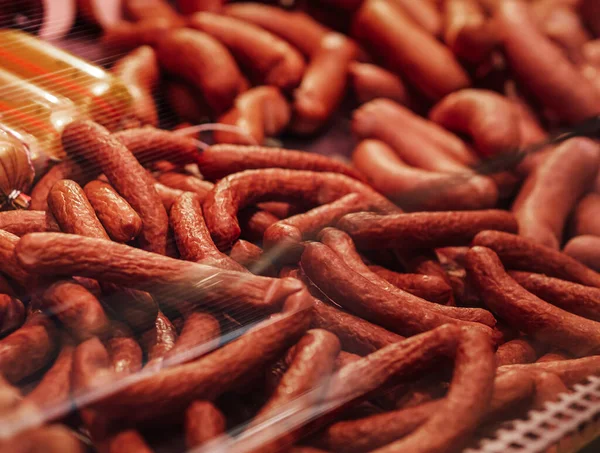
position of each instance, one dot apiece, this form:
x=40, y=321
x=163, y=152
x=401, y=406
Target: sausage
x=286, y=236
x=172, y=389
x=125, y=354
x=519, y=253
x=312, y=363
x=586, y=217
x=218, y=161
x=52, y=394
x=28, y=349
x=590, y=11
x=531, y=315
x=258, y=113
x=267, y=58
x=203, y=422
x=470, y=399
x=371, y=82
x=467, y=31
x=92, y=142
x=515, y=351
x=77, y=309
x=159, y=340
x=8, y=264
x=421, y=143
x=192, y=236
x=203, y=62
x=378, y=430
x=242, y=189
x=12, y=314
x=187, y=183
x=73, y=211
x=140, y=72
x=328, y=272
x=487, y=117
x=541, y=66
x=200, y=335
x=186, y=102
x=585, y=250
x=579, y=299
x=431, y=288
x=343, y=246
x=566, y=175
x=20, y=223
x=127, y=36
x=193, y=6
x=422, y=230
x=324, y=83
x=415, y=189
x=407, y=49
x=117, y=217
x=150, y=145
x=251, y=256
x=571, y=372
x=423, y=14
x=127, y=441
x=139, y=10
x=299, y=29
x=254, y=223
x=46, y=439
x=64, y=254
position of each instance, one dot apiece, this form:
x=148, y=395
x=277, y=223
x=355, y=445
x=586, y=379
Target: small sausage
x=258, y=113
x=12, y=314
x=254, y=223
x=187, y=183
x=28, y=349
x=245, y=188
x=324, y=83
x=542, y=67
x=159, y=340
x=424, y=14
x=414, y=189
x=467, y=31
x=251, y=257
x=421, y=143
x=519, y=253
x=20, y=223
x=8, y=264
x=218, y=161
x=118, y=218
x=371, y=82
x=92, y=142
x=515, y=351
x=203, y=62
x=586, y=218
x=125, y=354
x=571, y=371
x=433, y=289
x=549, y=194
x=298, y=28
x=203, y=422
x=186, y=102
x=523, y=310
x=76, y=308
x=423, y=230
x=199, y=336
x=489, y=118
x=193, y=237
x=140, y=72
x=585, y=250
x=139, y=10
x=73, y=211
x=343, y=246
x=579, y=299
x=269, y=59
x=127, y=36
x=407, y=49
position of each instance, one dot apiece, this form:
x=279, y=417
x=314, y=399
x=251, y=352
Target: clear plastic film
x=205, y=336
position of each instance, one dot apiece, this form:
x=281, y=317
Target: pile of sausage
x=158, y=297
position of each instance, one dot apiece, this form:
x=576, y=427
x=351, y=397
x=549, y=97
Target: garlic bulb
x=16, y=172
